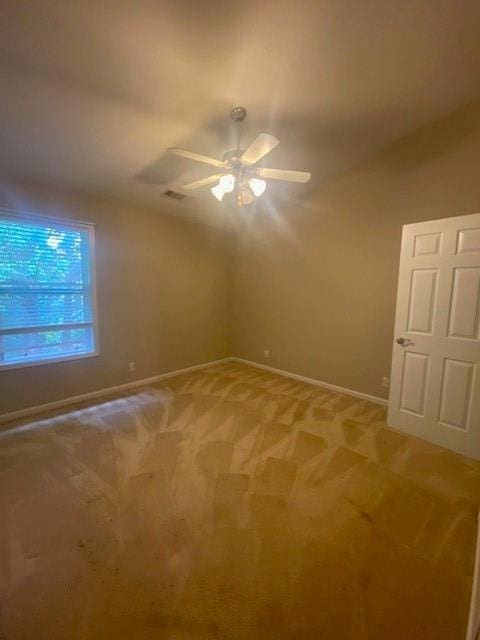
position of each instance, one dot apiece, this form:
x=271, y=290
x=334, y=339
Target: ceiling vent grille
x=174, y=194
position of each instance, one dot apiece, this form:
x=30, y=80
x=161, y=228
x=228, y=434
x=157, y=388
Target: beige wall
x=316, y=285
x=163, y=287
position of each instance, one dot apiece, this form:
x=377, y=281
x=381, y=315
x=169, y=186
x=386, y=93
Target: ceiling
x=93, y=92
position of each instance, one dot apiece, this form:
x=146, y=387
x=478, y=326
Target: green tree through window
x=46, y=309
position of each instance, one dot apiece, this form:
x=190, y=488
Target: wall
x=316, y=284
x=162, y=285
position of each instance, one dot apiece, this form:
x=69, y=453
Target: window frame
x=69, y=224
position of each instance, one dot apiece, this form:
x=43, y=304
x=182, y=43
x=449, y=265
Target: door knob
x=403, y=341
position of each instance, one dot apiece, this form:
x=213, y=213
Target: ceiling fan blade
x=262, y=145
x=196, y=156
x=202, y=183
x=284, y=174
x=246, y=196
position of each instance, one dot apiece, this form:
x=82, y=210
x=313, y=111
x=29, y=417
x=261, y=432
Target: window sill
x=44, y=361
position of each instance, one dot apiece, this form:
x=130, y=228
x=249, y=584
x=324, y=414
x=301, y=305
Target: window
x=47, y=294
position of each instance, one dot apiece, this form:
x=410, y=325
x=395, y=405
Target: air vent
x=175, y=194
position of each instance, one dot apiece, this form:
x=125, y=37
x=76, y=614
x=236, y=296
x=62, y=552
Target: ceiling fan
x=238, y=172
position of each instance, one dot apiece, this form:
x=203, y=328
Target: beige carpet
x=231, y=504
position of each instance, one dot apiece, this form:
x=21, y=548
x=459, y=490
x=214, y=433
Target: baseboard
x=474, y=614
x=58, y=404
x=317, y=383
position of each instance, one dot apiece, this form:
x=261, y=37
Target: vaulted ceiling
x=93, y=92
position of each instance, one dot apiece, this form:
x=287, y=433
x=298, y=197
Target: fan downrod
x=238, y=114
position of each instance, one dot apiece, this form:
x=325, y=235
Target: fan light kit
x=238, y=171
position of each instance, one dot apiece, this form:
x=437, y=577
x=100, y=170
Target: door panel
x=414, y=382
x=422, y=300
x=468, y=240
x=435, y=380
x=465, y=307
x=427, y=244
x=456, y=394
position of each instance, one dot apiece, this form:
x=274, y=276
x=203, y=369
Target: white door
x=435, y=380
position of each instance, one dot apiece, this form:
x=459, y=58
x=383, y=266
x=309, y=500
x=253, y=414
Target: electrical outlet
x=132, y=366
x=266, y=353
x=386, y=382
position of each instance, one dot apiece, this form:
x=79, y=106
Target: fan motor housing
x=238, y=114
x=233, y=156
